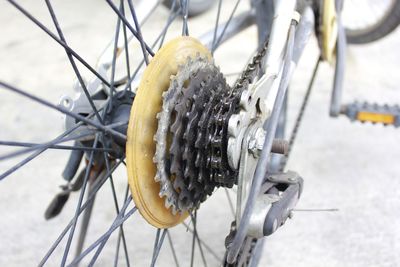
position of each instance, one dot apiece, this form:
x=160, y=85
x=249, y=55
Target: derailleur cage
x=283, y=194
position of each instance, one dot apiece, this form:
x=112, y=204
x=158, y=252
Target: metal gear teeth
x=173, y=198
x=202, y=136
x=180, y=162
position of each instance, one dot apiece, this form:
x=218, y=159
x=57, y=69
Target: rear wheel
x=94, y=124
x=368, y=21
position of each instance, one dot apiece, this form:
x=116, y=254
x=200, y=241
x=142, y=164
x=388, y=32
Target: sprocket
x=196, y=110
x=168, y=173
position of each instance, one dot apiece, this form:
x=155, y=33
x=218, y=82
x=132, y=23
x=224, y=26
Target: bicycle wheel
x=96, y=123
x=368, y=21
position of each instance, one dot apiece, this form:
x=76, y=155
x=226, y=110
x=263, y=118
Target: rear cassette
x=196, y=111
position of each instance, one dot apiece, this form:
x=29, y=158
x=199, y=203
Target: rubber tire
x=377, y=31
x=196, y=7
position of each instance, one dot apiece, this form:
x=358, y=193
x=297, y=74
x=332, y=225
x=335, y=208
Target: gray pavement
x=348, y=166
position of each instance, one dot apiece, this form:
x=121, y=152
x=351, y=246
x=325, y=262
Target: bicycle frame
x=281, y=61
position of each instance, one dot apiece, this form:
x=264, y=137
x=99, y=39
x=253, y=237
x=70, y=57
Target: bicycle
x=231, y=152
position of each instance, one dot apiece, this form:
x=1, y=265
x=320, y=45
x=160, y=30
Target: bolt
x=253, y=146
x=260, y=138
x=280, y=146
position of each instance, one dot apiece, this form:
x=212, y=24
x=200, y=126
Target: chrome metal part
x=304, y=30
x=261, y=221
x=252, y=106
x=280, y=146
x=257, y=219
x=257, y=100
x=285, y=63
x=79, y=104
x=257, y=141
x=273, y=207
x=282, y=56
x=281, y=210
x=288, y=177
x=248, y=163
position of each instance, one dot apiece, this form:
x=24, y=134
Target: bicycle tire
x=387, y=24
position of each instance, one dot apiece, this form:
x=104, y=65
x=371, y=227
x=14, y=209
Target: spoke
x=114, y=59
x=121, y=229
x=124, y=20
x=100, y=248
x=299, y=116
x=226, y=26
x=117, y=124
x=156, y=242
x=139, y=32
x=160, y=36
x=53, y=143
x=97, y=185
x=207, y=247
x=63, y=110
x=193, y=217
x=216, y=25
x=171, y=245
x=37, y=153
x=158, y=248
x=185, y=11
x=30, y=147
x=72, y=61
x=171, y=18
x=119, y=238
x=79, y=205
x=228, y=196
x=128, y=69
x=261, y=168
x=101, y=241
x=63, y=44
x=86, y=218
x=58, y=147
x=198, y=240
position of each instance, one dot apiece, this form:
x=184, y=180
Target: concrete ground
x=348, y=166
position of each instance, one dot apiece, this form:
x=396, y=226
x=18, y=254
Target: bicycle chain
x=223, y=174
x=299, y=118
